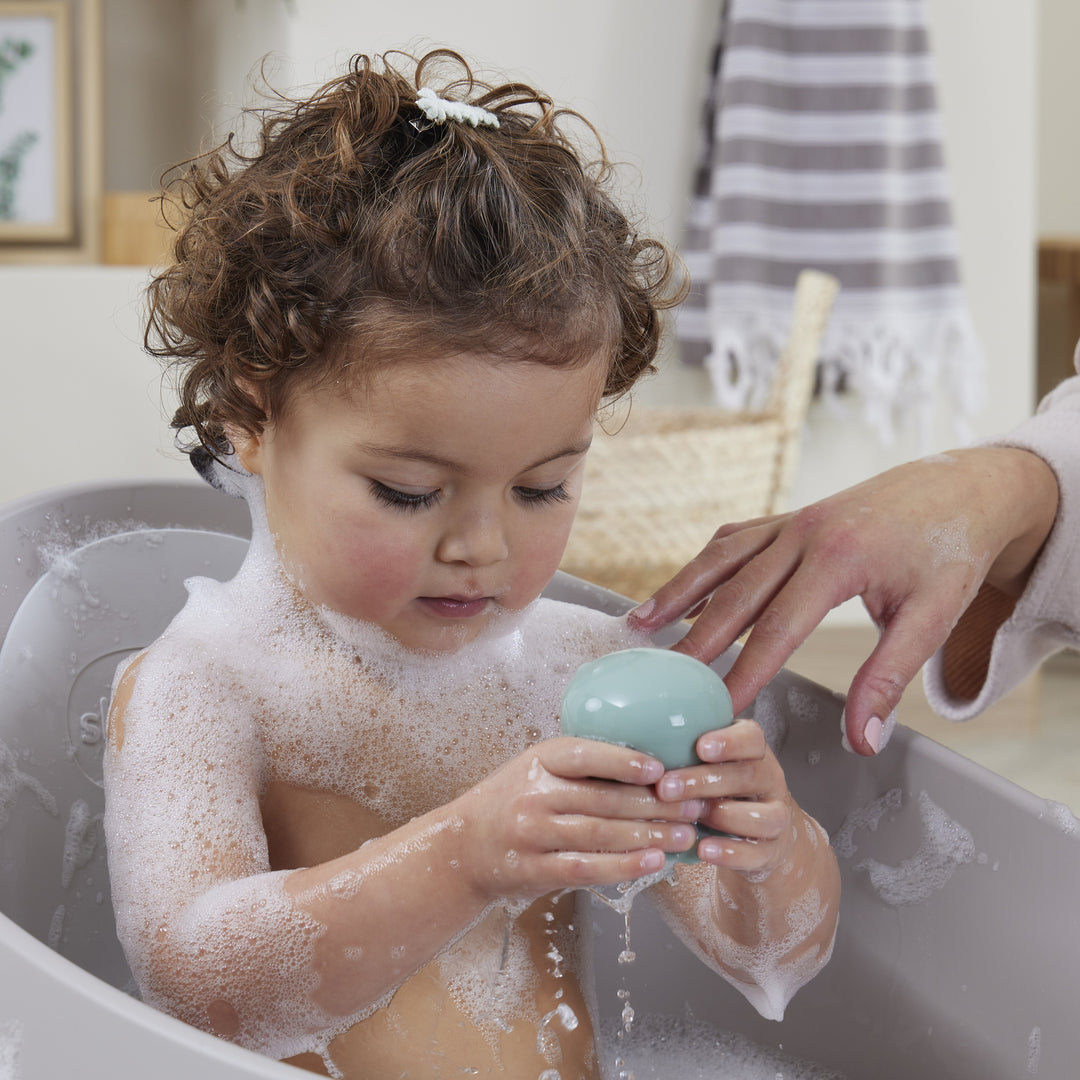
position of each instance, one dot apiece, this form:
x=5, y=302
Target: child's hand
x=745, y=795
x=571, y=812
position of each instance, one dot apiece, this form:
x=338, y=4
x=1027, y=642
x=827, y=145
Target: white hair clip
x=438, y=110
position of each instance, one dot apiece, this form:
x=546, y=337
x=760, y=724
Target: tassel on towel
x=823, y=150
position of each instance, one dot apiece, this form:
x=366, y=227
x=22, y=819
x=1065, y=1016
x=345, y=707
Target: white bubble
x=1060, y=816
x=864, y=818
x=80, y=839
x=1034, y=1050
x=945, y=846
x=13, y=780
x=672, y=1048
x=11, y=1040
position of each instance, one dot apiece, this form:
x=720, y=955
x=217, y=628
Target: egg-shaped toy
x=653, y=700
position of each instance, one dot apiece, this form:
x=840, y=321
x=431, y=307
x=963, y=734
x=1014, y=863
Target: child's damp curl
x=357, y=232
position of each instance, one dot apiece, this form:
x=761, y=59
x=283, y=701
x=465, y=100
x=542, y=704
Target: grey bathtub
x=974, y=974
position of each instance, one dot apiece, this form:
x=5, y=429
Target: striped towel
x=823, y=149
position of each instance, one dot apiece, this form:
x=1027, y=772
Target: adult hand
x=915, y=543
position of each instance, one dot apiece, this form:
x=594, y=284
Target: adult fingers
x=740, y=601
x=729, y=549
x=793, y=614
x=908, y=640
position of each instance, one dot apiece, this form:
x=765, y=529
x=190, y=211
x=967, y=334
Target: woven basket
x=657, y=489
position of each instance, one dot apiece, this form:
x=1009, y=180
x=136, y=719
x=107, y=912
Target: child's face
x=434, y=497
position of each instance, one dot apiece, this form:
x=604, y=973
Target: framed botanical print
x=50, y=129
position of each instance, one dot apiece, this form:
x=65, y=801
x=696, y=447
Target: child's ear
x=247, y=445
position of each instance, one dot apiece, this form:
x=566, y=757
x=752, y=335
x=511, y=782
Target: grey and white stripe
x=823, y=148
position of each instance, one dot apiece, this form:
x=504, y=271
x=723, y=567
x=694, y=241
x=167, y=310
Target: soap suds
x=13, y=780
x=1034, y=1050
x=948, y=542
x=779, y=967
x=864, y=818
x=11, y=1039
x=672, y=1048
x=945, y=845
x=1061, y=817
x=80, y=839
x=770, y=715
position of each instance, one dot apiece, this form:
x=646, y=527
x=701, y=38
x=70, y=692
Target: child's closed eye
x=404, y=500
x=531, y=496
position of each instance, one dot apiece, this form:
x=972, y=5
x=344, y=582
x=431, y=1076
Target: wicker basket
x=657, y=489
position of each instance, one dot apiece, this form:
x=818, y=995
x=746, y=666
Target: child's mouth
x=455, y=607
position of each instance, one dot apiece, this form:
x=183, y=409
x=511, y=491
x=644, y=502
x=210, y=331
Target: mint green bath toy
x=653, y=700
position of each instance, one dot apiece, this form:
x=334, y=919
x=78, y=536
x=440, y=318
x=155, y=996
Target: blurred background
x=158, y=80
x=83, y=402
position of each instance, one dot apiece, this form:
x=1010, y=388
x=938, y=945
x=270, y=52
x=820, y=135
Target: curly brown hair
x=357, y=233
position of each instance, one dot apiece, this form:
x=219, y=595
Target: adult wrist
x=1031, y=494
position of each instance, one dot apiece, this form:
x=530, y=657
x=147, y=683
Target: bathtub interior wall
x=959, y=935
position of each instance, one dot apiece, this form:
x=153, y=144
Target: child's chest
x=395, y=752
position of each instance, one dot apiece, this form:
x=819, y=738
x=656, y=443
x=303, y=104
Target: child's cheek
x=536, y=559
x=371, y=577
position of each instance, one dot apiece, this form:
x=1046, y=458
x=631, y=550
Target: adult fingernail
x=643, y=611
x=872, y=732
x=693, y=809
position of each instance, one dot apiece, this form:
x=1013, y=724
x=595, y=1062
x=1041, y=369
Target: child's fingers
x=747, y=819
x=575, y=868
x=570, y=833
x=761, y=780
x=603, y=799
x=576, y=758
x=742, y=740
x=732, y=853
x=557, y=870
x=737, y=764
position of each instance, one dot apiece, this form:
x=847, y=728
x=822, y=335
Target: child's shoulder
x=557, y=629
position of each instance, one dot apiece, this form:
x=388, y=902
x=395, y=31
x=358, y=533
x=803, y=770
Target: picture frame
x=50, y=130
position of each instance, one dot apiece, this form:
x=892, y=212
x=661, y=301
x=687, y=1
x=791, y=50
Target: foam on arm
x=277, y=961
x=767, y=935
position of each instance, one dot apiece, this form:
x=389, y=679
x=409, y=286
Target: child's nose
x=477, y=539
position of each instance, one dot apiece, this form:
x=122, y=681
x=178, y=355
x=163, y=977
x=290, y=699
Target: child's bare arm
x=282, y=961
x=762, y=906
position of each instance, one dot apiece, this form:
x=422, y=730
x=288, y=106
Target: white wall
x=633, y=66
x=1059, y=131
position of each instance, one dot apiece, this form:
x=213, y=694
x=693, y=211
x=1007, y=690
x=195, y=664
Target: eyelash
x=403, y=500
x=410, y=503
x=543, y=496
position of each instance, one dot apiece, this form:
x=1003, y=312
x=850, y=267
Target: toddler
x=343, y=828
